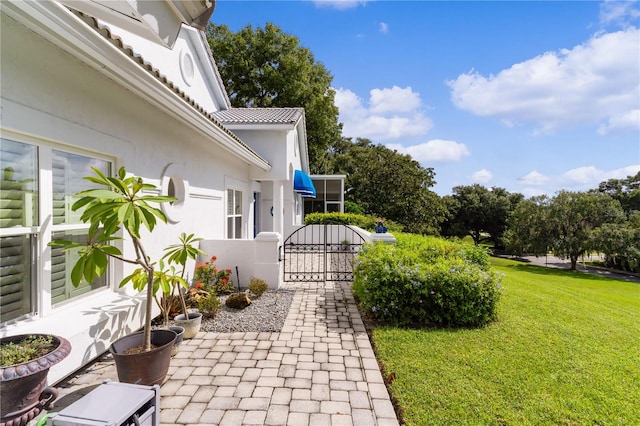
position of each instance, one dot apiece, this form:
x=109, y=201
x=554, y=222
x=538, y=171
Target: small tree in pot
x=170, y=280
x=123, y=204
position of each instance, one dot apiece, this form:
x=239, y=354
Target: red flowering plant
x=211, y=279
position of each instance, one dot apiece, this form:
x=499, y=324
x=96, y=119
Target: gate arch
x=316, y=253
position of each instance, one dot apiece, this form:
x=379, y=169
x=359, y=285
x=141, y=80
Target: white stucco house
x=130, y=84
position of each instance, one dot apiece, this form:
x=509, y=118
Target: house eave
x=157, y=21
x=61, y=27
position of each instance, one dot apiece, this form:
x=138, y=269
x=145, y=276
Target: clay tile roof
x=259, y=115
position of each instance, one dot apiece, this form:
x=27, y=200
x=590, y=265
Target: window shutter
x=58, y=262
x=17, y=210
x=15, y=277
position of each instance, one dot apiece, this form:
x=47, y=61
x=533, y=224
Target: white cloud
x=384, y=27
x=577, y=179
x=532, y=192
x=392, y=114
x=534, y=178
x=433, y=151
x=482, y=176
x=583, y=175
x=621, y=13
x=588, y=177
x=623, y=172
x=628, y=121
x=340, y=4
x=395, y=99
x=596, y=82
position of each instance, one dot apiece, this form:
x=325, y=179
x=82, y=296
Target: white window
x=69, y=171
x=23, y=230
x=18, y=217
x=234, y=214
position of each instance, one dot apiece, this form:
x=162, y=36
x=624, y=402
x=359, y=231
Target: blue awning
x=303, y=184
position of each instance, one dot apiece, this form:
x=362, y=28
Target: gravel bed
x=265, y=313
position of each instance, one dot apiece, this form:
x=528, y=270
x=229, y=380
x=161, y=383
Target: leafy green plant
x=27, y=349
x=177, y=254
x=416, y=283
x=124, y=203
x=362, y=221
x=209, y=305
x=258, y=286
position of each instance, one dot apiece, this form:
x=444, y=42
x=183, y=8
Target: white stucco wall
x=174, y=64
x=50, y=98
x=280, y=147
x=253, y=258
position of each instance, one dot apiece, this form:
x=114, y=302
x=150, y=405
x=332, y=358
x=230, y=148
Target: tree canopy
x=265, y=67
x=388, y=184
x=568, y=224
x=476, y=210
x=627, y=191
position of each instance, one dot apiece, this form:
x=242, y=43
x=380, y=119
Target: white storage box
x=113, y=404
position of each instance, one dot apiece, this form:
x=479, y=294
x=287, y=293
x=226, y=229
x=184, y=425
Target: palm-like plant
x=169, y=279
x=124, y=203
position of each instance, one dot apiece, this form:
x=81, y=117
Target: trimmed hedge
x=359, y=220
x=427, y=281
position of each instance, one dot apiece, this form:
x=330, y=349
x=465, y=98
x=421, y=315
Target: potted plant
x=24, y=365
x=178, y=254
x=187, y=324
x=124, y=204
x=164, y=279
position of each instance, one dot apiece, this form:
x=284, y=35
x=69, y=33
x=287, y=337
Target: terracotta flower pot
x=23, y=387
x=144, y=368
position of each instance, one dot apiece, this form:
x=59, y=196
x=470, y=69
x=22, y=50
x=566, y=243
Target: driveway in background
x=556, y=262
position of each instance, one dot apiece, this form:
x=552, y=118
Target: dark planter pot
x=179, y=336
x=145, y=368
x=23, y=387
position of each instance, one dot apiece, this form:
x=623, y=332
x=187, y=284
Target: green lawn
x=564, y=350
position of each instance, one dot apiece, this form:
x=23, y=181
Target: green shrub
x=430, y=248
x=209, y=306
x=359, y=220
x=351, y=207
x=426, y=281
x=258, y=286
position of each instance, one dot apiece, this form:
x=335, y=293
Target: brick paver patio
x=319, y=369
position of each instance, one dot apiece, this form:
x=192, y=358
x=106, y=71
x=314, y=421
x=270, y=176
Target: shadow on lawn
x=562, y=271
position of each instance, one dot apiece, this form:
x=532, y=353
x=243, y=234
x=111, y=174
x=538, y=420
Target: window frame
x=231, y=231
x=43, y=229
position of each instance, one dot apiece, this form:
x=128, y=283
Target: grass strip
x=564, y=350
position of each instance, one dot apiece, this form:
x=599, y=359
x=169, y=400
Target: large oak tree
x=570, y=224
x=479, y=212
x=265, y=67
x=388, y=184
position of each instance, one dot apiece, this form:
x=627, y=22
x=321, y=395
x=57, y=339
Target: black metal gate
x=321, y=253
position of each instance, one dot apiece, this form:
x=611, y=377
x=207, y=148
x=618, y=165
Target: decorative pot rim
x=42, y=363
x=189, y=316
x=156, y=349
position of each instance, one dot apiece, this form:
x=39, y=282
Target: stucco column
x=278, y=207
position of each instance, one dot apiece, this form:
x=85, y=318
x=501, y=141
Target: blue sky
x=533, y=97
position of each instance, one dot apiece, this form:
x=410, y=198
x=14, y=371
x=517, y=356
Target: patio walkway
x=319, y=370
